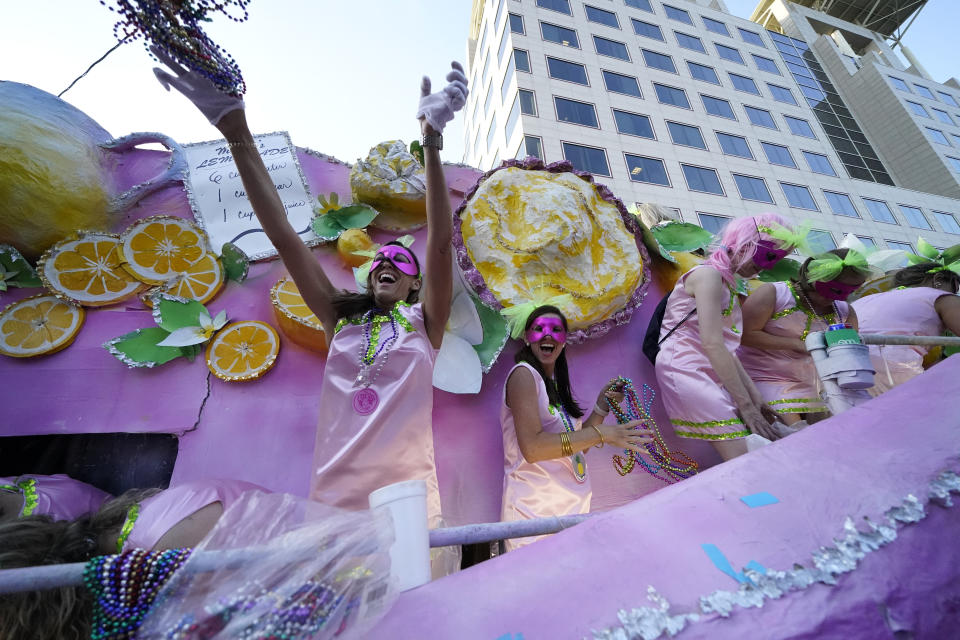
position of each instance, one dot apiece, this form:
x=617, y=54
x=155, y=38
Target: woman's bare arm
x=758, y=309
x=438, y=279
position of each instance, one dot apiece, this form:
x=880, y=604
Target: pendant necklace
x=833, y=303
x=365, y=399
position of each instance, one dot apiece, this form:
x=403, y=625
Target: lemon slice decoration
x=243, y=351
x=159, y=248
x=88, y=270
x=295, y=318
x=38, y=325
x=201, y=281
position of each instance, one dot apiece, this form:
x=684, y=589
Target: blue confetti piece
x=753, y=565
x=510, y=636
x=761, y=499
x=720, y=562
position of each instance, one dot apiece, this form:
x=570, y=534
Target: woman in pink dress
x=545, y=473
x=58, y=496
x=376, y=396
x=704, y=388
x=923, y=304
x=776, y=320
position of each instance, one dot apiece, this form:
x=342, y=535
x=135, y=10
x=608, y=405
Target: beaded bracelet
x=599, y=433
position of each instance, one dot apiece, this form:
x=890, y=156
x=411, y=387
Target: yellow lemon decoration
x=243, y=351
x=88, y=270
x=295, y=318
x=350, y=242
x=201, y=281
x=38, y=325
x=158, y=248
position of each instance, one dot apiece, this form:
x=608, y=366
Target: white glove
x=212, y=103
x=438, y=108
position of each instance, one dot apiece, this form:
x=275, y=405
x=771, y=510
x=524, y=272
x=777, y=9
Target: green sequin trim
x=793, y=400
x=394, y=312
x=28, y=489
x=802, y=410
x=132, y=513
x=707, y=425
x=736, y=435
x=830, y=318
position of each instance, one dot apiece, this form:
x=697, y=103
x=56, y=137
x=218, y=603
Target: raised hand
x=626, y=435
x=437, y=109
x=201, y=91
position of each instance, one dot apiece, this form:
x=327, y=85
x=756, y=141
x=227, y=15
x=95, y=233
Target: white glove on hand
x=212, y=103
x=438, y=108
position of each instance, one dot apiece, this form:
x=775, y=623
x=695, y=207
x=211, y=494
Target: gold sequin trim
x=707, y=425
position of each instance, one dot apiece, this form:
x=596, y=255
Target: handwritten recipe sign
x=220, y=202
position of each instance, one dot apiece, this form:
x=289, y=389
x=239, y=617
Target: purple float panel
x=831, y=480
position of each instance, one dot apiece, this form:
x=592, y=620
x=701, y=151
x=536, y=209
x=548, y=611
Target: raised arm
x=758, y=308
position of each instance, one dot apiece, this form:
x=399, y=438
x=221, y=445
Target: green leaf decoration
x=913, y=258
x=951, y=254
x=927, y=250
x=15, y=271
x=784, y=270
x=681, y=236
x=139, y=348
x=326, y=227
x=236, y=264
x=650, y=241
x=172, y=313
x=354, y=216
x=494, y=335
x=192, y=351
x=416, y=150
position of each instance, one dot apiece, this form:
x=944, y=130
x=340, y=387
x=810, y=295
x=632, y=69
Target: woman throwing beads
x=705, y=390
x=376, y=397
x=777, y=318
x=923, y=304
x=545, y=473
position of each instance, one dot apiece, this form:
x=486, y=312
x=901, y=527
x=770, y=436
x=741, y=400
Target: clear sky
x=340, y=76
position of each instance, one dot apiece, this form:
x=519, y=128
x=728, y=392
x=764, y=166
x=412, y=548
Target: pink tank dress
x=161, y=512
x=696, y=402
x=538, y=489
x=907, y=312
x=357, y=453
x=788, y=380
x=58, y=496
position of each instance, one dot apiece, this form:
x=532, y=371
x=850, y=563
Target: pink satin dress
x=356, y=454
x=906, y=312
x=163, y=511
x=58, y=496
x=696, y=402
x=788, y=380
x=538, y=489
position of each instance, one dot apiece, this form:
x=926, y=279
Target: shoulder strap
x=677, y=326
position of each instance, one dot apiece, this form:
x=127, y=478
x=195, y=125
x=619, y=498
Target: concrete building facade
x=680, y=104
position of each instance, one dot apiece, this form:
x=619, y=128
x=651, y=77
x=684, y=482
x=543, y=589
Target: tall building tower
x=805, y=112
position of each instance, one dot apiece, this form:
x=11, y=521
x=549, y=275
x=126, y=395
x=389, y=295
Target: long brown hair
x=919, y=275
x=350, y=304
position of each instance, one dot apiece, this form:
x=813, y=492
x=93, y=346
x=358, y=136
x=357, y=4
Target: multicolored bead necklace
x=371, y=347
x=675, y=465
x=579, y=462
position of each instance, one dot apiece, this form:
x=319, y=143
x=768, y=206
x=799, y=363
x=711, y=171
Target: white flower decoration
x=186, y=336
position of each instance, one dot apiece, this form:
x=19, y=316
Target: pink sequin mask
x=547, y=327
x=399, y=256
x=834, y=289
x=768, y=254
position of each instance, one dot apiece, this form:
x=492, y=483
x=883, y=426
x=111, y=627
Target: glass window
x=500, y=6
x=715, y=25
x=643, y=5
x=760, y=117
x=799, y=196
x=923, y=91
x=820, y=241
x=947, y=98
x=765, y=64
x=658, y=60
x=713, y=223
x=512, y=119
x=954, y=163
x=937, y=136
x=646, y=29
x=649, y=170
x=528, y=102
x=563, y=6
x=743, y=83
x=569, y=71
x=619, y=83
x=718, y=107
x=751, y=36
x=869, y=242
x=942, y=116
x=917, y=108
x=702, y=179
x=504, y=41
x=819, y=163
x=488, y=101
x=584, y=158
x=752, y=188
x=677, y=14
x=602, y=16
x=521, y=60
x=901, y=246
x=483, y=41
x=560, y=35
x=507, y=80
x=799, y=127
x=879, y=211
x=611, y=48
x=734, y=145
x=703, y=72
x=899, y=84
x=532, y=146
x=956, y=139
x=671, y=95
x=947, y=221
x=782, y=94
x=686, y=135
x=729, y=53
x=914, y=217
x=689, y=42
x=486, y=68
x=492, y=132
x=576, y=112
x=633, y=124
x=841, y=204
x=516, y=24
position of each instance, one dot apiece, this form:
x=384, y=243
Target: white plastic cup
x=410, y=552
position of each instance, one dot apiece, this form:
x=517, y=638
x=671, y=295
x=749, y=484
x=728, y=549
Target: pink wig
x=738, y=243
